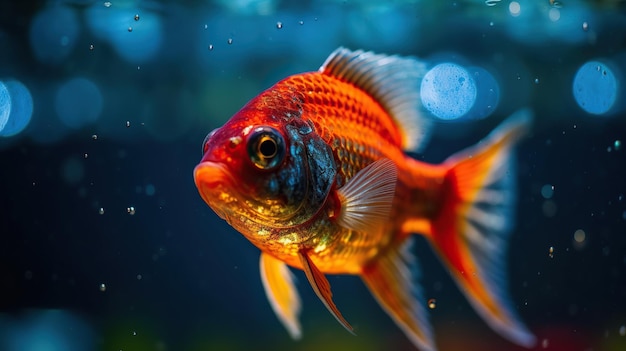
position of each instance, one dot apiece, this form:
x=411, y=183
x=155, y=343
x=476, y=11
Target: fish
x=316, y=172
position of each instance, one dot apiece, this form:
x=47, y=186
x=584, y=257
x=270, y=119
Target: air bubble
x=536, y=80
x=300, y=22
x=101, y=210
x=107, y=4
x=130, y=29
x=432, y=303
x=137, y=17
x=103, y=287
x=127, y=124
x=622, y=330
x=210, y=47
x=279, y=25
x=229, y=41
x=131, y=210
x=617, y=144
x=91, y=47
x=94, y=136
x=551, y=252
x=585, y=26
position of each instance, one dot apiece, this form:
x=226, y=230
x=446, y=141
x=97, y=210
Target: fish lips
x=216, y=186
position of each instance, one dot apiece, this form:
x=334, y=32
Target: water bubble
x=595, y=88
x=103, y=287
x=617, y=145
x=279, y=25
x=448, y=91
x=127, y=124
x=94, y=136
x=206, y=26
x=107, y=4
x=210, y=47
x=101, y=210
x=300, y=22
x=130, y=29
x=551, y=252
x=85, y=155
x=229, y=41
x=585, y=26
x=536, y=80
x=432, y=303
x=134, y=333
x=136, y=17
x=491, y=24
x=130, y=210
x=91, y=47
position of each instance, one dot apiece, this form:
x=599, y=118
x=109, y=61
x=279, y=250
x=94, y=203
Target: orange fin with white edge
x=471, y=232
x=280, y=290
x=320, y=285
x=392, y=279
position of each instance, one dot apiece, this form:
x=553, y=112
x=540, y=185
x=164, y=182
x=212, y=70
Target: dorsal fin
x=393, y=81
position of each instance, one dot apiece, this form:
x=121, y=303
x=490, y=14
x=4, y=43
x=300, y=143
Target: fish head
x=264, y=174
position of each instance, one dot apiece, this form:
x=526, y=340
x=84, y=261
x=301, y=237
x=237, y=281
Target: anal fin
x=392, y=279
x=283, y=297
x=320, y=285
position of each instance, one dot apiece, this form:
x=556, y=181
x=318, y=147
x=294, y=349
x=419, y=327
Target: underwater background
x=105, y=243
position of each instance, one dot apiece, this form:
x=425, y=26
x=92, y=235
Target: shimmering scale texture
x=359, y=131
x=355, y=126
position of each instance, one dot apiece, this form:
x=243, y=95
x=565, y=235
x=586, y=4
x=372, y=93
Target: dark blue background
x=179, y=278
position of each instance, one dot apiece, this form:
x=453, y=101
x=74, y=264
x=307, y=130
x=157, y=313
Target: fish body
x=313, y=171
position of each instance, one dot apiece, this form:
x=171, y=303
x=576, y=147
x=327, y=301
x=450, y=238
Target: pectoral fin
x=366, y=198
x=320, y=285
x=278, y=283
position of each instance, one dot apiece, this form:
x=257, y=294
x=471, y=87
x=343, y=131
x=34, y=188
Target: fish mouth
x=215, y=185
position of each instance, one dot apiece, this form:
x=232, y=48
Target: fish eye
x=205, y=143
x=266, y=148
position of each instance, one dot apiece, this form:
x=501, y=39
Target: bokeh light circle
x=5, y=106
x=78, y=103
x=448, y=91
x=595, y=87
x=16, y=108
x=53, y=34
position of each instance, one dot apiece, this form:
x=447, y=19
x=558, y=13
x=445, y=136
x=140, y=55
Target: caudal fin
x=472, y=231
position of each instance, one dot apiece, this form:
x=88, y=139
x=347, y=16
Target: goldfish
x=316, y=172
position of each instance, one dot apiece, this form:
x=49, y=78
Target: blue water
x=105, y=243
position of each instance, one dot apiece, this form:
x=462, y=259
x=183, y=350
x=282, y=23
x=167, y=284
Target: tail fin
x=472, y=231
